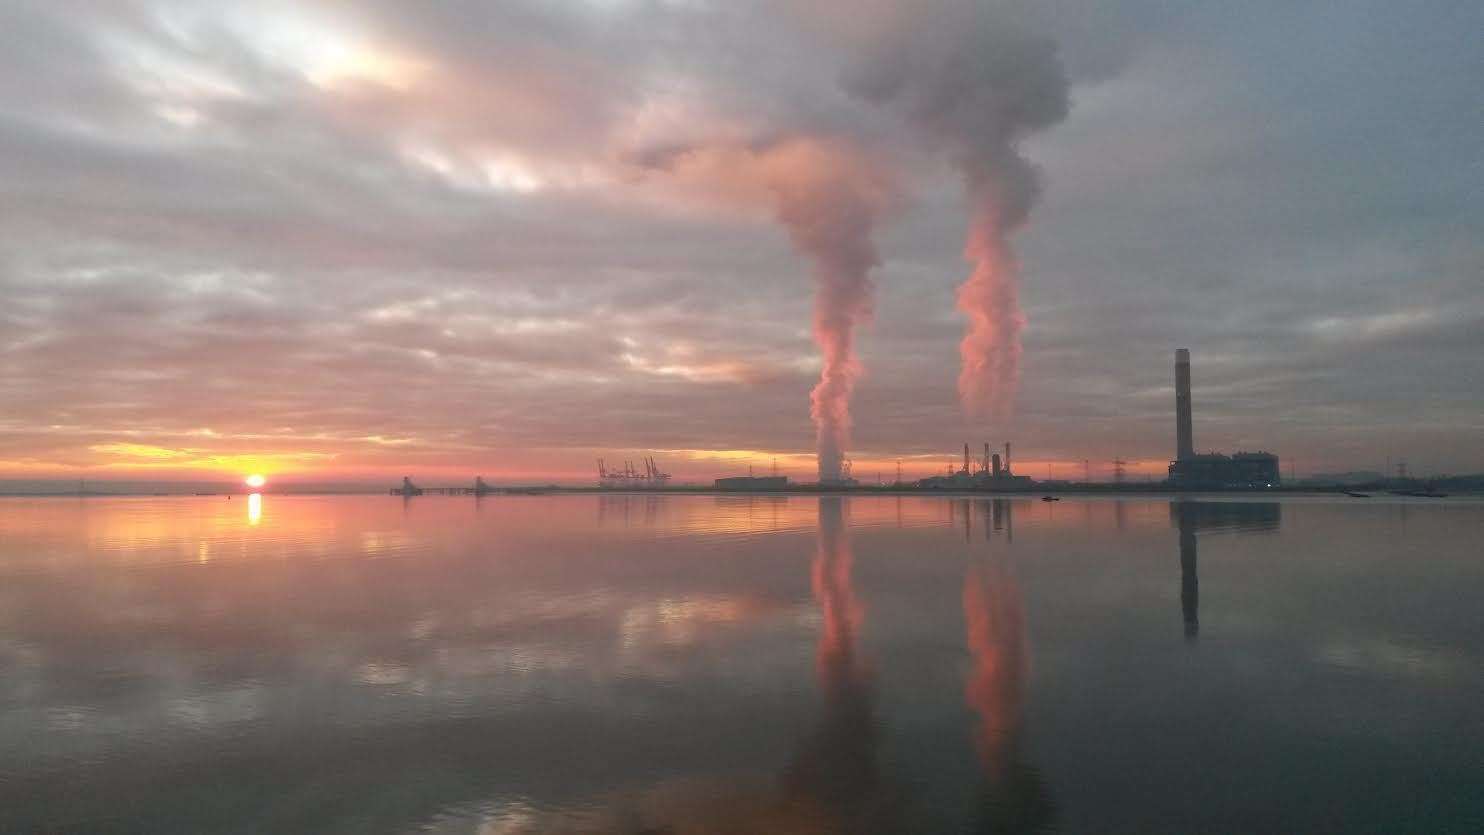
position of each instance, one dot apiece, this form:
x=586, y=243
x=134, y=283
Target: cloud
x=303, y=226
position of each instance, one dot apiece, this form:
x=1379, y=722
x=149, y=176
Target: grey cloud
x=1227, y=177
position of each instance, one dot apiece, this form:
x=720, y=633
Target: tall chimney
x=986, y=457
x=1007, y=458
x=966, y=459
x=1184, y=442
x=994, y=463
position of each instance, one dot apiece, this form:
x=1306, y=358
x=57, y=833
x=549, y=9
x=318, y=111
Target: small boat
x=1354, y=495
x=1051, y=498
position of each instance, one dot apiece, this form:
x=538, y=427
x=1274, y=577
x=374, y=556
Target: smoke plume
x=829, y=196
x=830, y=210
x=977, y=85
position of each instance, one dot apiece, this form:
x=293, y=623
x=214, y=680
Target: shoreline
x=1074, y=490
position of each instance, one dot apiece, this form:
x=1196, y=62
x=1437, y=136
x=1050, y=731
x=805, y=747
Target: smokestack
x=1007, y=458
x=994, y=463
x=1184, y=442
x=986, y=456
x=966, y=459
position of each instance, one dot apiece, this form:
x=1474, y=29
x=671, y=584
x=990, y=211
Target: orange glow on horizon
x=369, y=459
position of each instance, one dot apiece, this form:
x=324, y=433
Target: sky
x=355, y=239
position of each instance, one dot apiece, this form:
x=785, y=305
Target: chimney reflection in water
x=1000, y=659
x=836, y=770
x=1190, y=584
x=1192, y=518
x=1015, y=798
x=839, y=608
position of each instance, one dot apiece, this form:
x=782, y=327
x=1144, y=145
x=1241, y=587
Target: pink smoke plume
x=829, y=205
x=829, y=196
x=990, y=298
x=976, y=83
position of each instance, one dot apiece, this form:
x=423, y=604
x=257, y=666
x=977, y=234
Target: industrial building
x=749, y=482
x=1211, y=470
x=776, y=481
x=989, y=473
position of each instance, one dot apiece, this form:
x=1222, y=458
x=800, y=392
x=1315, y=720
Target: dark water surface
x=697, y=664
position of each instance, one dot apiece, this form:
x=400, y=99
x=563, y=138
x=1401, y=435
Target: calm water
x=688, y=664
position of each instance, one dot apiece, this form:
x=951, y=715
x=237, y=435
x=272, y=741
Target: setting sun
x=255, y=480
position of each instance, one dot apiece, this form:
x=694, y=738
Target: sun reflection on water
x=254, y=508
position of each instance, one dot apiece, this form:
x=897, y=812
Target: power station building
x=989, y=473
x=748, y=482
x=1212, y=469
